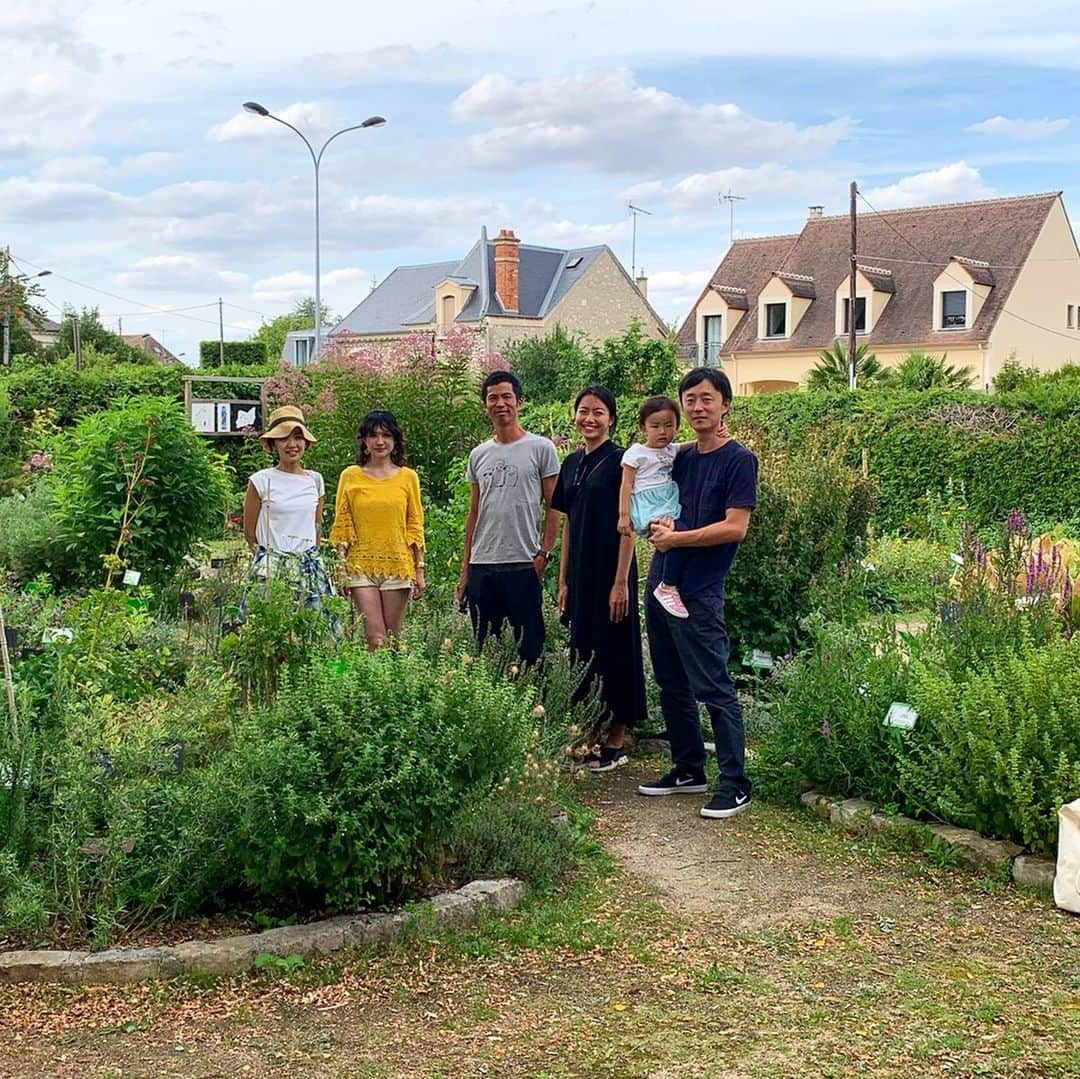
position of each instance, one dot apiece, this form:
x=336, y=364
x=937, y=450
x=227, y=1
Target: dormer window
x=776, y=320
x=447, y=312
x=860, y=315
x=954, y=309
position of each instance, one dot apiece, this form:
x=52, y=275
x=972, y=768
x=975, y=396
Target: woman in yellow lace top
x=379, y=528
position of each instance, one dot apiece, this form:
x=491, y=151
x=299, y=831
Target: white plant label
x=759, y=658
x=132, y=576
x=57, y=633
x=901, y=716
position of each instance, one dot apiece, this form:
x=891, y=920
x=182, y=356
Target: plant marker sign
x=901, y=716
x=132, y=576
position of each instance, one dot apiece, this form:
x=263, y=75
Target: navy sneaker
x=609, y=758
x=677, y=781
x=725, y=804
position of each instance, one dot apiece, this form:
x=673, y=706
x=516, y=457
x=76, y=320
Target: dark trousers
x=690, y=663
x=670, y=565
x=507, y=593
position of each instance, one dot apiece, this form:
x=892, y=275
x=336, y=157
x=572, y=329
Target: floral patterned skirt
x=303, y=571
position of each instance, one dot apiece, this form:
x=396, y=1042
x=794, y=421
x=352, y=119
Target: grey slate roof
x=406, y=297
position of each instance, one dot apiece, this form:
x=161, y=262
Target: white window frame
x=716, y=344
x=786, y=305
x=304, y=346
x=966, y=293
x=843, y=301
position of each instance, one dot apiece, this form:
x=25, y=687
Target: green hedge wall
x=993, y=452
x=236, y=352
x=74, y=393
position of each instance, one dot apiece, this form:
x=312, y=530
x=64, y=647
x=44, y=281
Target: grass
x=597, y=978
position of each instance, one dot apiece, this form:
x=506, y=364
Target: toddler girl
x=648, y=491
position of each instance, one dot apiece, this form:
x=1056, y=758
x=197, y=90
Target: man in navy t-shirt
x=717, y=481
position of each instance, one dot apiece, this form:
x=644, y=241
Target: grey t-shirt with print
x=509, y=476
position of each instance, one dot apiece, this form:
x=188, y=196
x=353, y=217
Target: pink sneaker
x=671, y=601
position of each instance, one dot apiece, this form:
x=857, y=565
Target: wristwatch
x=545, y=555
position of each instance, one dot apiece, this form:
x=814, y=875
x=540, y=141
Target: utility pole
x=851, y=292
x=633, y=211
x=76, y=340
x=7, y=306
x=120, y=325
x=730, y=198
x=221, y=334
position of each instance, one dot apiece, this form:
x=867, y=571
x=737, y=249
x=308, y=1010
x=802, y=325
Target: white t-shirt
x=653, y=465
x=287, y=517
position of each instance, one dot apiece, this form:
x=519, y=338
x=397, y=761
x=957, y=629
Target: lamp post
x=316, y=159
x=9, y=282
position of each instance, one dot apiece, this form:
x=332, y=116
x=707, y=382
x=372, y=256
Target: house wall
x=602, y=303
x=1049, y=281
x=769, y=372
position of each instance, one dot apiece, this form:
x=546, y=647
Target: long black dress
x=588, y=493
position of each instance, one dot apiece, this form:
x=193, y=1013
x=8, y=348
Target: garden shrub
x=134, y=486
x=237, y=353
x=998, y=749
x=826, y=712
x=909, y=568
x=349, y=780
x=811, y=516
x=28, y=542
x=546, y=365
x=510, y=836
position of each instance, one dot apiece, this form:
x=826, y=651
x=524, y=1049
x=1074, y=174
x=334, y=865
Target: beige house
x=503, y=288
x=982, y=282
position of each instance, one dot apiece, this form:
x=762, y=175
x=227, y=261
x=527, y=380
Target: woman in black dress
x=598, y=574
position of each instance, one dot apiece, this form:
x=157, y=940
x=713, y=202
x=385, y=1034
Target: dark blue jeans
x=690, y=663
x=507, y=593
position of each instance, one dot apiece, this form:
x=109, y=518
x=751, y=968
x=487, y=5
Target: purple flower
x=826, y=730
x=1016, y=525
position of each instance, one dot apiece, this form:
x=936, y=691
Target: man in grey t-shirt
x=511, y=477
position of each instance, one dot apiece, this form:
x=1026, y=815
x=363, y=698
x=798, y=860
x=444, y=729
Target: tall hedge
x=995, y=452
x=236, y=352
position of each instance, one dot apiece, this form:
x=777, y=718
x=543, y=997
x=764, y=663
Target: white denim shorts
x=383, y=584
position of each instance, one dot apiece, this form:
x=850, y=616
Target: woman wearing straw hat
x=283, y=510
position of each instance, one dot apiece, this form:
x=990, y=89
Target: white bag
x=1067, y=881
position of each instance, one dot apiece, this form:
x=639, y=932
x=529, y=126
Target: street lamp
x=316, y=158
x=9, y=281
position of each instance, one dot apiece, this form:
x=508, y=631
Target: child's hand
x=624, y=525
x=723, y=430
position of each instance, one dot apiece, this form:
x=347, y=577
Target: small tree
x=632, y=365
x=94, y=336
x=545, y=363
x=831, y=370
x=921, y=371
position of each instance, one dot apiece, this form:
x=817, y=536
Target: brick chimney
x=642, y=283
x=507, y=263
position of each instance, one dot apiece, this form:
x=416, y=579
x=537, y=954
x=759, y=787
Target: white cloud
x=957, y=182
x=178, y=273
x=149, y=163
x=78, y=167
x=283, y=288
x=342, y=289
x=606, y=121
x=702, y=190
x=565, y=233
x=1019, y=129
x=308, y=116
x=673, y=292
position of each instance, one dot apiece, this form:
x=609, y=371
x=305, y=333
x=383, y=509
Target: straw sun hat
x=283, y=421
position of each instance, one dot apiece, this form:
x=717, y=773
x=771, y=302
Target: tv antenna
x=731, y=198
x=633, y=211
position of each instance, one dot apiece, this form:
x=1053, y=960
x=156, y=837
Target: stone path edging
x=971, y=849
x=236, y=955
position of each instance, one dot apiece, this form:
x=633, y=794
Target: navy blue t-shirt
x=710, y=484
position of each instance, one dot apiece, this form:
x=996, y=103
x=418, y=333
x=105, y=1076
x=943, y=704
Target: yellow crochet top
x=379, y=521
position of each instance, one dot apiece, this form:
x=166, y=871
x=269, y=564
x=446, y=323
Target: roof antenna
x=633, y=211
x=730, y=198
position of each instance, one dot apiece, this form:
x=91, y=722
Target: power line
x=145, y=308
x=928, y=262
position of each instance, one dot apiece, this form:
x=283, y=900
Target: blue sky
x=127, y=167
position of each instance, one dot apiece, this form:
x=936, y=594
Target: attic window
x=574, y=263
x=953, y=310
